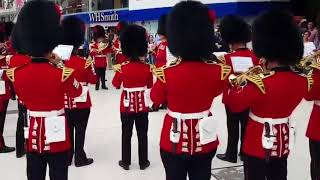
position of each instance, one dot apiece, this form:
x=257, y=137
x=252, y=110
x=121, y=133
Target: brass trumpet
x=241, y=79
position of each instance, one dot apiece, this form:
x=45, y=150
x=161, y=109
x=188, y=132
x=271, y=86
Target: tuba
x=241, y=79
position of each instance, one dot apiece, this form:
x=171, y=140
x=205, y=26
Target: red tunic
x=134, y=74
x=18, y=60
x=313, y=130
x=42, y=87
x=280, y=99
x=161, y=54
x=84, y=73
x=99, y=56
x=243, y=52
x=193, y=93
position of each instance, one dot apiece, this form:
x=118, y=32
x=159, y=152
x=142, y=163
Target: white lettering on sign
x=101, y=17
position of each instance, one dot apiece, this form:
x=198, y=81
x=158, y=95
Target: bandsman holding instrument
x=271, y=95
x=41, y=85
x=99, y=50
x=311, y=63
x=78, y=109
x=189, y=134
x=237, y=33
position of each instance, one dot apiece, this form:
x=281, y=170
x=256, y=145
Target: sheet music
x=241, y=64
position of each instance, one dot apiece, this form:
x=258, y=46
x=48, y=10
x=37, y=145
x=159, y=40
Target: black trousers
x=77, y=121
x=233, y=120
x=178, y=167
x=37, y=166
x=259, y=169
x=20, y=146
x=101, y=73
x=3, y=115
x=142, y=123
x=315, y=159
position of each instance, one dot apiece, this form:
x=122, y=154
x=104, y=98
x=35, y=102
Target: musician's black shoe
x=145, y=165
x=104, y=87
x=224, y=157
x=7, y=149
x=124, y=165
x=84, y=163
x=20, y=154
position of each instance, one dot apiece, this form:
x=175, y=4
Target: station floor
x=103, y=143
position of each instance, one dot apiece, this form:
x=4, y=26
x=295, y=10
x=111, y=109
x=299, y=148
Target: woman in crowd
x=151, y=49
x=189, y=86
x=135, y=76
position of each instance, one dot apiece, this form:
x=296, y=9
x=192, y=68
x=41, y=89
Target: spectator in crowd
x=314, y=37
x=306, y=36
x=151, y=49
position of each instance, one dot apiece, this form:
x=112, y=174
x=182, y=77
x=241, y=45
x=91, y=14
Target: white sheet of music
x=241, y=64
x=63, y=51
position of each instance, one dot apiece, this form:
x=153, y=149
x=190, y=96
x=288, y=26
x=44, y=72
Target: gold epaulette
x=257, y=79
x=222, y=59
x=89, y=63
x=225, y=71
x=310, y=81
x=10, y=74
x=159, y=72
x=66, y=73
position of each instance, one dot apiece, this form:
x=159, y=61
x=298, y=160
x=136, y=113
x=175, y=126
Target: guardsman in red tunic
x=99, y=50
x=5, y=93
x=136, y=77
x=78, y=109
x=272, y=96
x=14, y=61
x=120, y=57
x=161, y=49
x=236, y=32
x=313, y=130
x=42, y=86
x=189, y=85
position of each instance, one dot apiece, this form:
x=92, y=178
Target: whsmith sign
x=102, y=16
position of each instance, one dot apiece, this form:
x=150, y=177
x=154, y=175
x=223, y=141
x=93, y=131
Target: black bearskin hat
x=191, y=35
x=8, y=29
x=120, y=27
x=134, y=41
x=276, y=37
x=98, y=32
x=73, y=30
x=162, y=25
x=38, y=29
x=234, y=29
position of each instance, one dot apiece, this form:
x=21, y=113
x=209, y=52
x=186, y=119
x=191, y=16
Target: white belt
x=275, y=121
x=46, y=113
x=137, y=89
x=198, y=115
x=100, y=56
x=317, y=102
